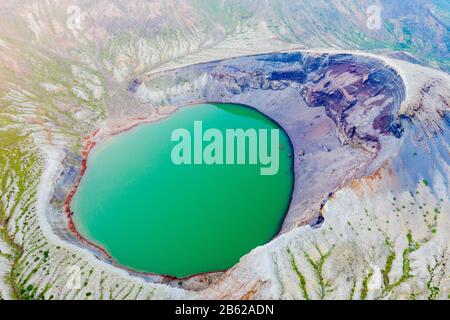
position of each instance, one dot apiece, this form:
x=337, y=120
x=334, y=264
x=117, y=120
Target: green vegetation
x=390, y=259
x=300, y=276
x=365, y=281
x=324, y=286
x=406, y=267
x=352, y=291
x=433, y=289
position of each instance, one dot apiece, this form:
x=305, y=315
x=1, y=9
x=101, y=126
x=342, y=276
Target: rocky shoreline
x=326, y=90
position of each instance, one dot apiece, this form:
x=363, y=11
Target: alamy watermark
x=373, y=17
x=75, y=19
x=236, y=146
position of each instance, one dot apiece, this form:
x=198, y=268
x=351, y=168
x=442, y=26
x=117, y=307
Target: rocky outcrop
x=336, y=109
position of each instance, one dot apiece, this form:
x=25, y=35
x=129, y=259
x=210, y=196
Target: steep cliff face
x=335, y=108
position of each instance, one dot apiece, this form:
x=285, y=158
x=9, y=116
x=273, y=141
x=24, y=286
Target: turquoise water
x=155, y=216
